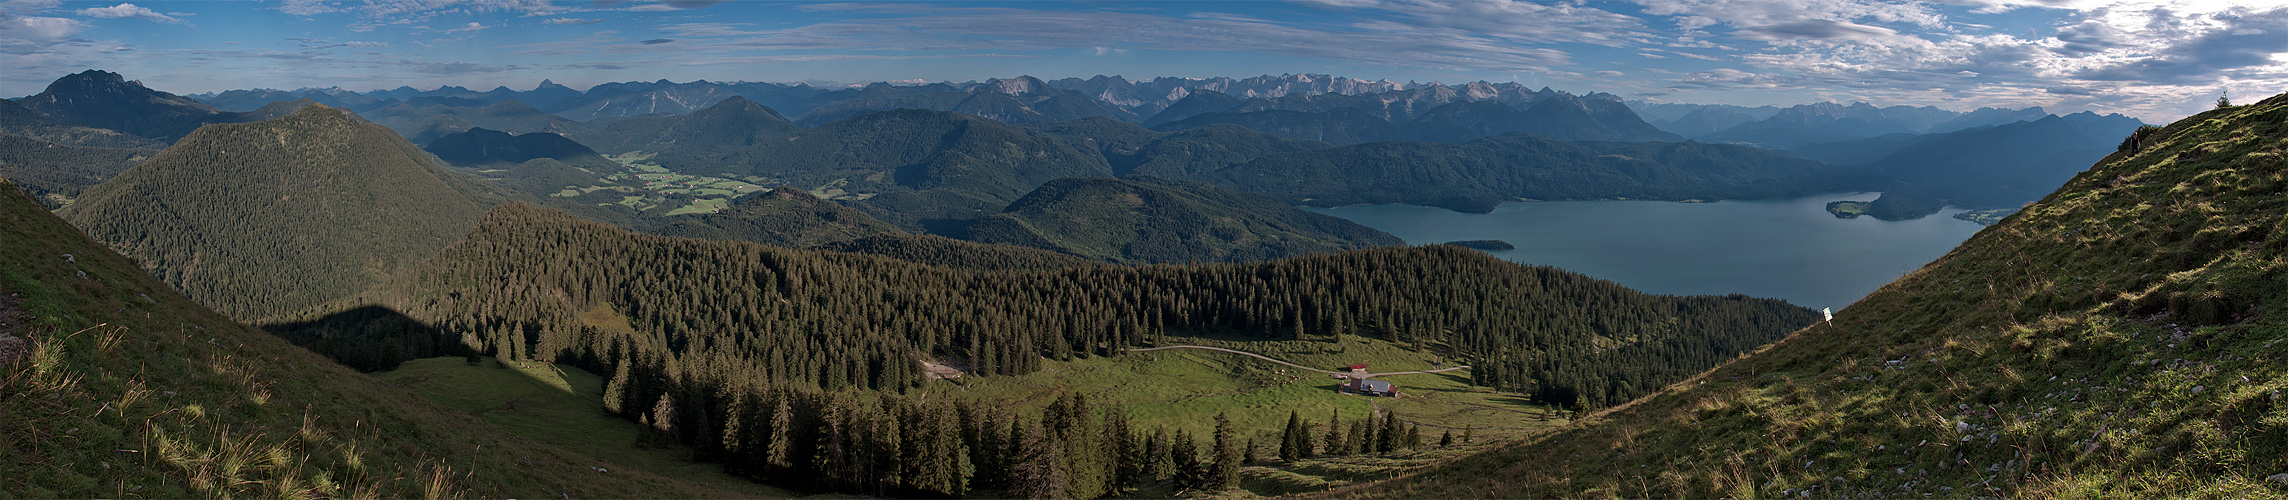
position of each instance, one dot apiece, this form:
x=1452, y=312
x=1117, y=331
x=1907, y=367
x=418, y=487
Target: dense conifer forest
x=268, y=218
x=704, y=339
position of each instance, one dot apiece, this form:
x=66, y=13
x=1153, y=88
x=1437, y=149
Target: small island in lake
x=1484, y=244
x=1848, y=209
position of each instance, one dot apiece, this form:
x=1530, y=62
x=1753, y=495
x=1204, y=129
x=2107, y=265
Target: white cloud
x=126, y=10
x=307, y=7
x=413, y=8
x=567, y=20
x=471, y=27
x=39, y=29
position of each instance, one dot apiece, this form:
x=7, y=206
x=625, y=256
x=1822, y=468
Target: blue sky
x=2153, y=59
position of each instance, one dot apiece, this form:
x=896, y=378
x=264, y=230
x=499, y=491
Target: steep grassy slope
x=127, y=389
x=267, y=218
x=785, y=216
x=1149, y=220
x=2123, y=337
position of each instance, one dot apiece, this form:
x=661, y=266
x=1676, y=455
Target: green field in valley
x=1186, y=388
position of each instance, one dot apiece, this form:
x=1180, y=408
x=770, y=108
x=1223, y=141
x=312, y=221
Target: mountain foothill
x=778, y=294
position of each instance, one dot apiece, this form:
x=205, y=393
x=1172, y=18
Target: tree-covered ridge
x=946, y=252
x=56, y=173
x=127, y=388
x=268, y=218
x=530, y=283
x=2119, y=338
x=1150, y=220
x=784, y=217
x=106, y=100
x=533, y=283
x=483, y=146
x=425, y=120
x=1477, y=175
x=15, y=119
x=697, y=140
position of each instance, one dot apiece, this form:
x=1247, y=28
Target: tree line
x=697, y=323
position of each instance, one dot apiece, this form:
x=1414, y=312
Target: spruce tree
x=1292, y=441
x=1190, y=473
x=780, y=452
x=1040, y=465
x=1159, y=456
x=1336, y=443
x=1225, y=473
x=1391, y=437
x=1446, y=439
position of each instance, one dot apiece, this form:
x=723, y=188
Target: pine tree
x=1129, y=462
x=1225, y=473
x=1293, y=440
x=1159, y=457
x=1040, y=466
x=1336, y=443
x=616, y=391
x=1189, y=472
x=1391, y=437
x=1446, y=439
x=780, y=451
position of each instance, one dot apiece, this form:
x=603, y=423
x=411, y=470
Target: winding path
x=1268, y=358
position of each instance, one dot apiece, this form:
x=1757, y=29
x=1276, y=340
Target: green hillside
x=263, y=219
x=806, y=327
x=2120, y=338
x=1475, y=176
x=1149, y=220
x=112, y=385
x=785, y=217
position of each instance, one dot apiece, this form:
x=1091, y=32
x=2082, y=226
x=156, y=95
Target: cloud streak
x=127, y=10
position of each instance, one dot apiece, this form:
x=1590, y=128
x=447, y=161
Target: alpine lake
x=1790, y=249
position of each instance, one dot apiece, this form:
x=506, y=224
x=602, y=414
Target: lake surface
x=1789, y=249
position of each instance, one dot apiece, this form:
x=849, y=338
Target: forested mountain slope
x=785, y=217
x=113, y=385
x=536, y=284
x=56, y=173
x=1476, y=176
x=267, y=218
x=106, y=100
x=1151, y=220
x=2122, y=337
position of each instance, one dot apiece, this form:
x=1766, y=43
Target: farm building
x=1371, y=387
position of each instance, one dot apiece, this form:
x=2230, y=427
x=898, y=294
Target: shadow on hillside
x=369, y=338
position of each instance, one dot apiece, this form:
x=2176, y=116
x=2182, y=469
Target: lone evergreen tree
x=1227, y=457
x=1292, y=442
